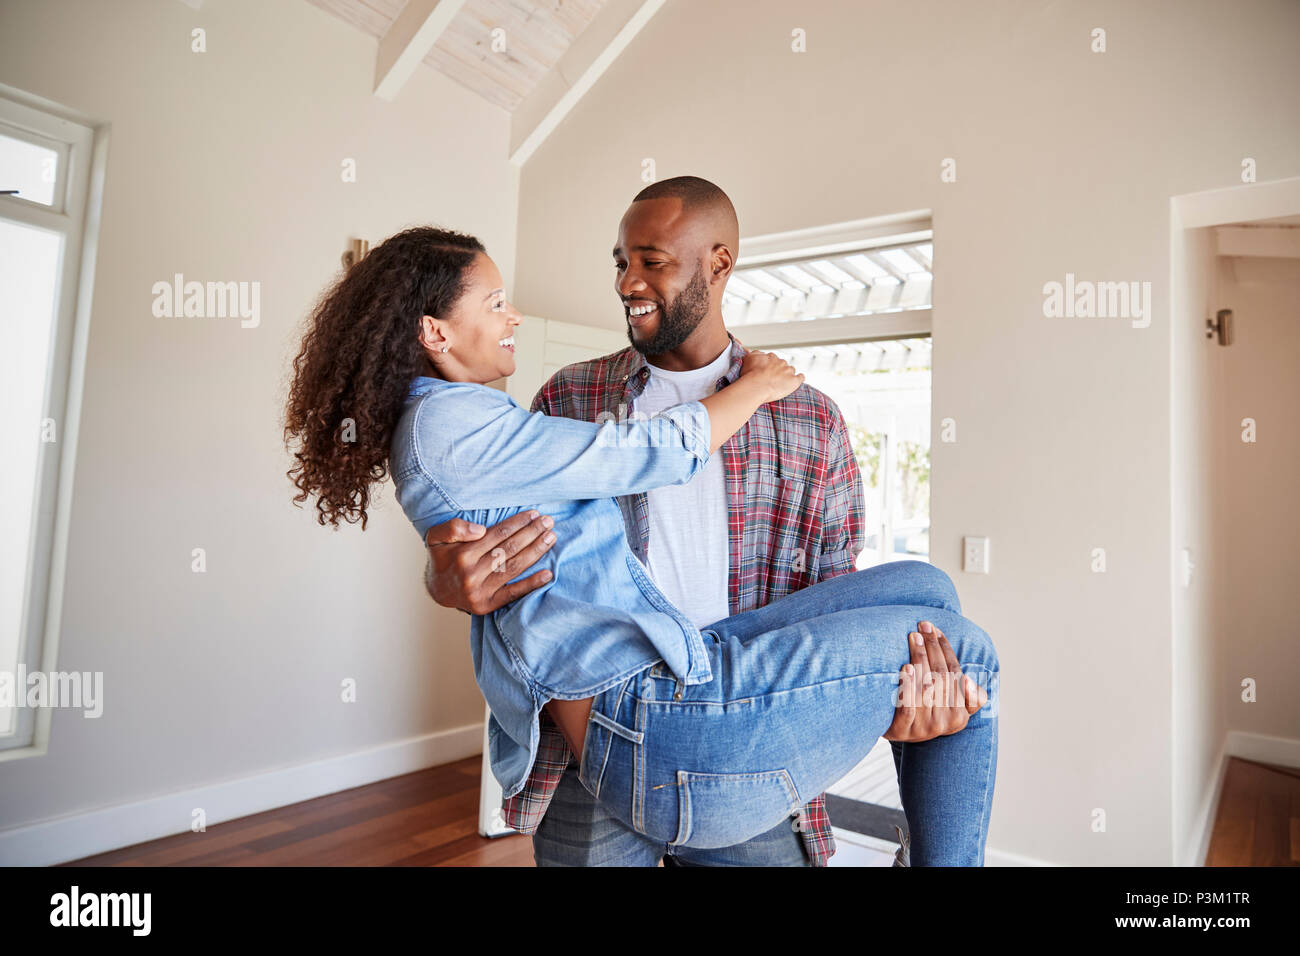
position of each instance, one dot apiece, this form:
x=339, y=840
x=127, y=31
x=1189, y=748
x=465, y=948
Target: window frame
x=75, y=217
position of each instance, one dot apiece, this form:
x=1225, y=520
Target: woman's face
x=478, y=332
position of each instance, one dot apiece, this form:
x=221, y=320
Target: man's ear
x=721, y=263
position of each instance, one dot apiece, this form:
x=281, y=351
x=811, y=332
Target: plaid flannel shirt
x=796, y=516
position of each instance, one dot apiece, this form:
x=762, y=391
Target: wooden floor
x=430, y=818
x=1258, y=822
x=426, y=818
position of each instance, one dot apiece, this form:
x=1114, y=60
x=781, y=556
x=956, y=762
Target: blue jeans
x=579, y=831
x=802, y=690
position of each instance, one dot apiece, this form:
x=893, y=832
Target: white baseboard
x=78, y=835
x=1197, y=843
x=994, y=857
x=1263, y=748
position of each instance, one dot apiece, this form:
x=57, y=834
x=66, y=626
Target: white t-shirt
x=688, y=549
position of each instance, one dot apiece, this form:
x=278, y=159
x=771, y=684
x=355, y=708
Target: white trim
x=1196, y=844
x=839, y=237
x=1281, y=242
x=1263, y=748
x=491, y=821
x=96, y=831
x=1217, y=207
x=1003, y=858
x=76, y=379
x=903, y=324
x=20, y=119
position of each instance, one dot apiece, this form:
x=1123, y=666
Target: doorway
x=1235, y=280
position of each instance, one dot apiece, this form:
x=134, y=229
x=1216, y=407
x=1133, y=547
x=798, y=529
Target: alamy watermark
x=1098, y=300
x=70, y=689
x=635, y=431
x=208, y=300
x=128, y=910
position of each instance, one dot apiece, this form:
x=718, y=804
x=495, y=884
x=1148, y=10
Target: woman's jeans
x=801, y=691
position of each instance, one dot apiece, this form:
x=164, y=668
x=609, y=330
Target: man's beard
x=678, y=319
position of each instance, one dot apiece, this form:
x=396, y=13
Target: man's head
x=676, y=248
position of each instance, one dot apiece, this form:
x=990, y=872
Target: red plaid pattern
x=797, y=515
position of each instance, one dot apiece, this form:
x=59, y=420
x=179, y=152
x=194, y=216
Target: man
x=781, y=508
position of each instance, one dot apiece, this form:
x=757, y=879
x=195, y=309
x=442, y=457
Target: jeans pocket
x=601, y=730
x=726, y=809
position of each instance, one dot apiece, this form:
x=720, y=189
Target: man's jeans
x=579, y=831
x=802, y=690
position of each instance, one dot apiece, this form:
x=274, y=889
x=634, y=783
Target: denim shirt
x=468, y=451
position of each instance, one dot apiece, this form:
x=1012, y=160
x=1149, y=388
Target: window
x=849, y=307
x=45, y=179
x=31, y=166
x=883, y=390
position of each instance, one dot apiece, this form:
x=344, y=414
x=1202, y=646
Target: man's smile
x=639, y=311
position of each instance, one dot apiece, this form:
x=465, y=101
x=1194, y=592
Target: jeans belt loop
x=636, y=736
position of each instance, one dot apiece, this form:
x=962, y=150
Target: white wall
x=1259, y=378
x=1066, y=162
x=225, y=165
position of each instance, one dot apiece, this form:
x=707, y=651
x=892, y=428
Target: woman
x=703, y=738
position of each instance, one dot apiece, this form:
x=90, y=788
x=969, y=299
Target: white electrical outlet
x=975, y=555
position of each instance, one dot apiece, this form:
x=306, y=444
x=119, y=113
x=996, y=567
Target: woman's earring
x=446, y=347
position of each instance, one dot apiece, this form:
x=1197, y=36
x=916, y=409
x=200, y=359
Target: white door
x=542, y=348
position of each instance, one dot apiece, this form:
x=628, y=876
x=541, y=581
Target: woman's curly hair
x=359, y=354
